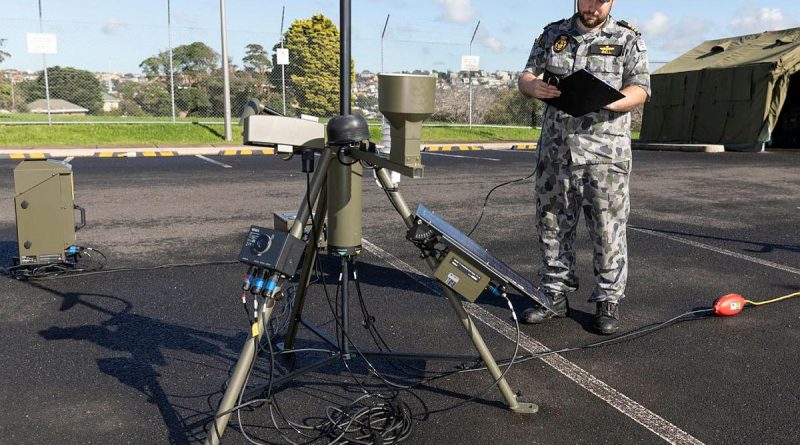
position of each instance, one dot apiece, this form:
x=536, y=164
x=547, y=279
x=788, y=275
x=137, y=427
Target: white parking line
x=221, y=164
x=622, y=403
x=69, y=159
x=719, y=250
x=458, y=156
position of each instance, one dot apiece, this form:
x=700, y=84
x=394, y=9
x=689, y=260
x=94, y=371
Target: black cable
x=486, y=200
x=380, y=343
x=53, y=270
x=497, y=380
x=339, y=154
x=633, y=334
x=9, y=271
x=391, y=423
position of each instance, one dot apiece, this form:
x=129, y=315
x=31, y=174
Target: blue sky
x=116, y=35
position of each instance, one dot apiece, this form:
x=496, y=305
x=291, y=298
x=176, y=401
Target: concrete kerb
x=461, y=147
x=691, y=148
x=240, y=150
x=130, y=152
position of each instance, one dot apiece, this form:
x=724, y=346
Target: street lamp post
x=383, y=34
x=385, y=128
x=470, y=73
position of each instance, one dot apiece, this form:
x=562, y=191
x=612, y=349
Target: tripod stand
x=343, y=206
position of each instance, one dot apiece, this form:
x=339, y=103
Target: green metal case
x=44, y=205
x=461, y=276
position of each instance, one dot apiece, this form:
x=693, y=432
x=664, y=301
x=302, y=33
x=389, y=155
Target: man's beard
x=591, y=21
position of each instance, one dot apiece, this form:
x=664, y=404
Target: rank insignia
x=561, y=43
x=606, y=50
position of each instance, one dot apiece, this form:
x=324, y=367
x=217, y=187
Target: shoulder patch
x=557, y=22
x=625, y=24
x=640, y=45
x=552, y=25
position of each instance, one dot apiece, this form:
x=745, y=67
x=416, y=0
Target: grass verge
x=89, y=135
x=132, y=135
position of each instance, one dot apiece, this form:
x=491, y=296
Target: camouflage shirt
x=615, y=53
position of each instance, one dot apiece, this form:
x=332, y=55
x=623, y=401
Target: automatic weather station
x=333, y=204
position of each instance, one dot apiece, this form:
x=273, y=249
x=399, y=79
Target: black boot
x=538, y=314
x=606, y=319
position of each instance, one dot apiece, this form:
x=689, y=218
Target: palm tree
x=3, y=55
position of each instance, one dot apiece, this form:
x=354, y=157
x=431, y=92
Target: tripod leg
x=486, y=355
x=344, y=341
x=477, y=340
x=308, y=266
x=239, y=376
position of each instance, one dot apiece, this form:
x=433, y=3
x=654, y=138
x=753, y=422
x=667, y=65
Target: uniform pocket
x=607, y=68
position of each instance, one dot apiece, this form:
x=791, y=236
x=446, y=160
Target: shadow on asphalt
x=758, y=247
x=142, y=339
x=385, y=277
x=8, y=251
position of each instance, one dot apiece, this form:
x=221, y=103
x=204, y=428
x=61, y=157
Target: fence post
x=44, y=65
x=171, y=69
x=225, y=72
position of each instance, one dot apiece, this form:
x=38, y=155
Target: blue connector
x=272, y=284
x=495, y=290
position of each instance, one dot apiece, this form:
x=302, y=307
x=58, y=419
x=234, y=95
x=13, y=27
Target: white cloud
x=458, y=11
x=112, y=25
x=751, y=20
x=675, y=37
x=657, y=26
x=492, y=43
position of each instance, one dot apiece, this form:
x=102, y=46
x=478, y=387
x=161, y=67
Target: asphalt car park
x=141, y=354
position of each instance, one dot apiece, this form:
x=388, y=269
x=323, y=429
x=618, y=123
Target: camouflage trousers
x=601, y=191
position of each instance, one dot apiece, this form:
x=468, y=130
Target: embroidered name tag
x=605, y=50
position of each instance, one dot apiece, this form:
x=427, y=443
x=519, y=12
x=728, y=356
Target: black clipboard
x=581, y=92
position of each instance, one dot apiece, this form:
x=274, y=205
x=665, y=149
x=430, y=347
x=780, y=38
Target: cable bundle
x=85, y=261
x=370, y=419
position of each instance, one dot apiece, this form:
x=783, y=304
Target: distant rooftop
x=59, y=106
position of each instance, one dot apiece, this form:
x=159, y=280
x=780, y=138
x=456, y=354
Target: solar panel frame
x=498, y=270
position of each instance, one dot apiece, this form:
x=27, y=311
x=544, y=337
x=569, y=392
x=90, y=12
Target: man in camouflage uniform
x=584, y=162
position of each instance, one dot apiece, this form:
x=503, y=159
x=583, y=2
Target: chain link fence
x=183, y=82
x=112, y=97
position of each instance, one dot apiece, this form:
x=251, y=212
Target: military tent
x=742, y=92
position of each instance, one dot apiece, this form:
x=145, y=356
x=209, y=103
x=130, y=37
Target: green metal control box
x=284, y=221
x=461, y=276
x=44, y=204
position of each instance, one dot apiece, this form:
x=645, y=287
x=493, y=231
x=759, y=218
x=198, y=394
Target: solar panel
x=499, y=271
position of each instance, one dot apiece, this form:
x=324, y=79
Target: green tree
x=145, y=98
x=193, y=64
x=190, y=62
x=77, y=86
x=194, y=101
x=243, y=86
x=511, y=107
x=3, y=55
x=5, y=96
x=314, y=80
x=256, y=59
